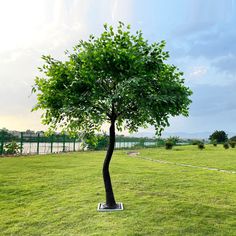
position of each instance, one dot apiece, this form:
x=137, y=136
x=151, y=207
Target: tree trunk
x=110, y=200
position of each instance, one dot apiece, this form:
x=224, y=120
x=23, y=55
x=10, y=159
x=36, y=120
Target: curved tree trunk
x=110, y=200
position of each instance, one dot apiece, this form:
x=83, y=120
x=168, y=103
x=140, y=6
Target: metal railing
x=38, y=143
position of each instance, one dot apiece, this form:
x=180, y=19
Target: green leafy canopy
x=118, y=77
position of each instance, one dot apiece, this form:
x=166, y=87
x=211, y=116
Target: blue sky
x=200, y=36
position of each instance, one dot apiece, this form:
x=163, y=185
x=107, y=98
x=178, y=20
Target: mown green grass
x=212, y=157
x=58, y=194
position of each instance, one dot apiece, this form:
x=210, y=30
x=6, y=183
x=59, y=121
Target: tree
x=4, y=131
x=117, y=78
x=174, y=139
x=219, y=136
x=28, y=131
x=6, y=135
x=233, y=138
x=96, y=142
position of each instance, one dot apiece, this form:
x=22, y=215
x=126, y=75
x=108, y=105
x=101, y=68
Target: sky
x=200, y=36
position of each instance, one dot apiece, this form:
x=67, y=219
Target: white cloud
x=121, y=10
x=200, y=44
x=197, y=72
x=30, y=29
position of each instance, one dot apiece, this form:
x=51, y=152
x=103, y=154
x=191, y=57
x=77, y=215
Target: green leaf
x=117, y=76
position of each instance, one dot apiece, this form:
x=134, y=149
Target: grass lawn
x=212, y=157
x=58, y=194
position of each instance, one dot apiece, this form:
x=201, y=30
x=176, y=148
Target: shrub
x=169, y=144
x=174, y=139
x=195, y=142
x=214, y=142
x=232, y=144
x=226, y=145
x=11, y=148
x=201, y=145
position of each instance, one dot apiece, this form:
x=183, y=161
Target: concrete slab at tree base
x=103, y=208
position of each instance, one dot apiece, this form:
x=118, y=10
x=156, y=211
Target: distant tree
x=41, y=132
x=4, y=131
x=219, y=136
x=6, y=134
x=117, y=78
x=233, y=138
x=195, y=141
x=96, y=142
x=28, y=131
x=174, y=139
x=232, y=143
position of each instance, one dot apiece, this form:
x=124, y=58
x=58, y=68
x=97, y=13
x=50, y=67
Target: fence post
x=21, y=142
x=51, y=143
x=64, y=143
x=74, y=144
x=2, y=144
x=38, y=143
